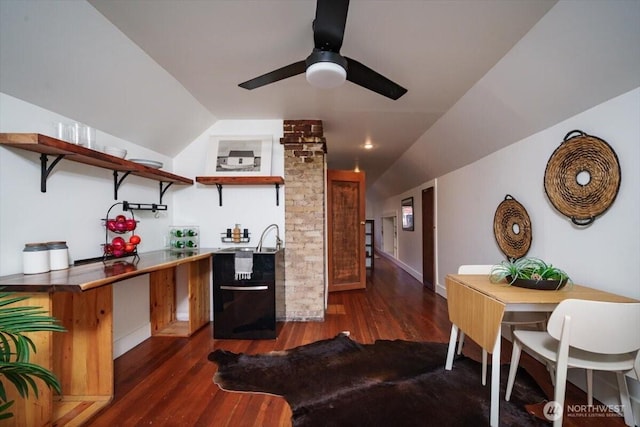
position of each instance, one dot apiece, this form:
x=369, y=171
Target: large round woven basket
x=512, y=228
x=582, y=177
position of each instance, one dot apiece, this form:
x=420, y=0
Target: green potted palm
x=531, y=273
x=15, y=348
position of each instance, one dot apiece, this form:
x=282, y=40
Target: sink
x=248, y=249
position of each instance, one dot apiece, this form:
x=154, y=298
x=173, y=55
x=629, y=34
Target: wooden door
x=346, y=227
x=428, y=239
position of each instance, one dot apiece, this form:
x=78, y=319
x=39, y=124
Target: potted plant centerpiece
x=531, y=273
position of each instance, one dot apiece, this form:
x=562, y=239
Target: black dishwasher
x=246, y=309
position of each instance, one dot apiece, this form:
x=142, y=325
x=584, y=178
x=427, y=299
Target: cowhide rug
x=339, y=382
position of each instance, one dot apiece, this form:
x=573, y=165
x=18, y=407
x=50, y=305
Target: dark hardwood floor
x=168, y=381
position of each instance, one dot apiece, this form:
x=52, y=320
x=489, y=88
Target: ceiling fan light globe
x=326, y=75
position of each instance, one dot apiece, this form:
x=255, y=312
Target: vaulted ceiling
x=159, y=73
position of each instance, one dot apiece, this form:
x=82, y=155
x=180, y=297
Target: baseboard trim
x=127, y=342
x=416, y=275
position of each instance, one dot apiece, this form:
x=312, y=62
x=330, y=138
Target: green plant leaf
x=530, y=268
x=16, y=347
x=4, y=408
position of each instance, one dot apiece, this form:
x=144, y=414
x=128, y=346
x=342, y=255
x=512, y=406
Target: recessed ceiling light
x=368, y=145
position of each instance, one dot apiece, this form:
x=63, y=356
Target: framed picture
x=407, y=214
x=239, y=155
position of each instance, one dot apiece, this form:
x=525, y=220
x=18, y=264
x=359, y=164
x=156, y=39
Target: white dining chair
x=591, y=335
x=511, y=319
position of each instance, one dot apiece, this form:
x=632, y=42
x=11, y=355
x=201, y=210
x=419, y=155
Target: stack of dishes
x=149, y=163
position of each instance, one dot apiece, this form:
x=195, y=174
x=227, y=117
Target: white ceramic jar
x=35, y=258
x=58, y=255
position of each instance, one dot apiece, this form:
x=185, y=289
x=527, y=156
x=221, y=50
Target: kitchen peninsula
x=81, y=298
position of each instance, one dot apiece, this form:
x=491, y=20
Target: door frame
x=349, y=176
x=386, y=218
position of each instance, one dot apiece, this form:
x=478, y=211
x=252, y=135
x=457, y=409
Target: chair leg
x=624, y=399
x=589, y=373
x=552, y=373
x=484, y=367
x=452, y=347
x=460, y=342
x=515, y=360
x=560, y=388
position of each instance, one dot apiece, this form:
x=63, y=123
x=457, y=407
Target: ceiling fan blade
x=276, y=75
x=364, y=76
x=328, y=26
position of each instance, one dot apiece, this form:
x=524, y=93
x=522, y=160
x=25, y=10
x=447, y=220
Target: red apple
x=111, y=224
x=129, y=247
x=121, y=227
x=131, y=224
x=118, y=252
x=135, y=239
x=121, y=218
x=118, y=242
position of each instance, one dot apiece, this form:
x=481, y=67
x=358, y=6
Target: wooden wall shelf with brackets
x=46, y=146
x=219, y=181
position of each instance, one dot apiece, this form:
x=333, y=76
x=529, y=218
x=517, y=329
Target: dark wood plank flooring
x=168, y=381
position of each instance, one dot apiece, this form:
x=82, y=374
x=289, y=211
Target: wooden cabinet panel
x=84, y=354
x=199, y=294
x=81, y=298
x=162, y=297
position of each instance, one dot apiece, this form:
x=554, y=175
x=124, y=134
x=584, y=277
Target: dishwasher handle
x=244, y=288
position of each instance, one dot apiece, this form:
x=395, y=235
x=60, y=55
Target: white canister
x=58, y=255
x=35, y=258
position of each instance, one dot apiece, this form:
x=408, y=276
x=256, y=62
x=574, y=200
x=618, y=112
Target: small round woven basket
x=582, y=177
x=512, y=228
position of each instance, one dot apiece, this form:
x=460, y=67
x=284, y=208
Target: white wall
x=78, y=196
x=253, y=207
x=603, y=255
x=409, y=242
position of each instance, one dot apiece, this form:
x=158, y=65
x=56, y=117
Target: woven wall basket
x=512, y=228
x=582, y=177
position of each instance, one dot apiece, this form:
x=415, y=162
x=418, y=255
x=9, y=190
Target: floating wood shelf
x=219, y=181
x=46, y=145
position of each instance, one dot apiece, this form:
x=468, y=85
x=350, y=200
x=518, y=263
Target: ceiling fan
x=325, y=67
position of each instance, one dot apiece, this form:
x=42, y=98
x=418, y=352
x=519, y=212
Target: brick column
x=304, y=173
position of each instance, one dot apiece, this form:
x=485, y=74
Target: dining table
x=477, y=305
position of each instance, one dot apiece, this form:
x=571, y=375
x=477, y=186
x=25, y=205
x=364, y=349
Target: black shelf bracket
x=164, y=188
x=128, y=206
x=219, y=194
x=45, y=171
x=219, y=187
x=117, y=182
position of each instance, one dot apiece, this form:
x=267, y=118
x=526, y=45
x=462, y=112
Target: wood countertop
x=88, y=276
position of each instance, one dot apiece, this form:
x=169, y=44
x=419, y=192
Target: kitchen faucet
x=278, y=241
